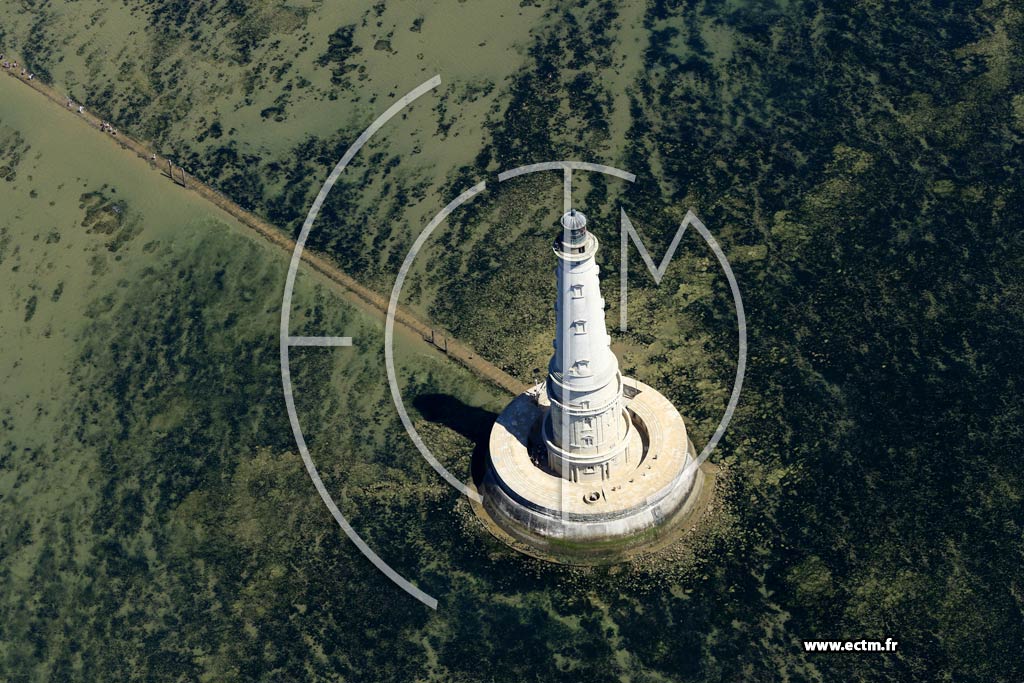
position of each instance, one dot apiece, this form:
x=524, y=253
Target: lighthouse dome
x=574, y=229
x=574, y=220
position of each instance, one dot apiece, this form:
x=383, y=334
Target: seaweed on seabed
x=340, y=49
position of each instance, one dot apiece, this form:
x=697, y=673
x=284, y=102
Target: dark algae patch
x=102, y=214
x=12, y=148
x=106, y=215
x=30, y=307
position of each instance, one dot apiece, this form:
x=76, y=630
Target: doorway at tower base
x=596, y=519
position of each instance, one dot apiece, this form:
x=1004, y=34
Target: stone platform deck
x=524, y=495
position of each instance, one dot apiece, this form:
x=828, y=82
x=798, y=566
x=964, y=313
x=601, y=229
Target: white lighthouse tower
x=587, y=429
x=618, y=459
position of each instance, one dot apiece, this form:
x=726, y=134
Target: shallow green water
x=859, y=164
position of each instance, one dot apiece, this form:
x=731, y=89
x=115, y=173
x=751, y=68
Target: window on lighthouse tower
x=576, y=291
x=579, y=326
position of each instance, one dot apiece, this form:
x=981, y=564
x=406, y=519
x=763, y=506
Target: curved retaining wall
x=529, y=502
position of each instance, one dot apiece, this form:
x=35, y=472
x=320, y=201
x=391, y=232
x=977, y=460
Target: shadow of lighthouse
x=469, y=421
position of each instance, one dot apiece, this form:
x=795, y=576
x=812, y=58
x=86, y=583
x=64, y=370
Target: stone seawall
x=536, y=507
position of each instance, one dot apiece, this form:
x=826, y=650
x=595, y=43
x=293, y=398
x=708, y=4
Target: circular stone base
x=537, y=507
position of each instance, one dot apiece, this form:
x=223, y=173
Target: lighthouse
x=596, y=460
x=586, y=430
